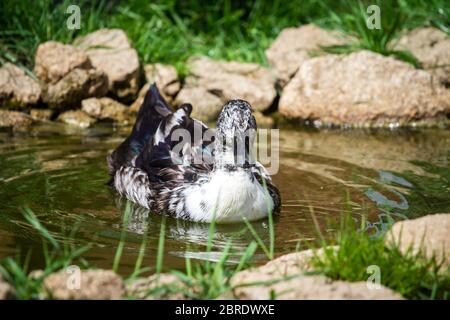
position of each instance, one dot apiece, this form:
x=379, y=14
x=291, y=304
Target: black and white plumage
x=152, y=170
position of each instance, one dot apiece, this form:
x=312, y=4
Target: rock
x=293, y=46
x=77, y=118
x=165, y=77
x=7, y=292
x=315, y=287
x=145, y=288
x=41, y=114
x=77, y=85
x=94, y=285
x=134, y=107
x=286, y=279
x=284, y=266
x=429, y=233
x=106, y=109
x=233, y=80
x=362, y=89
x=111, y=52
x=206, y=106
x=14, y=120
x=54, y=60
x=36, y=274
x=170, y=91
x=17, y=89
x=432, y=48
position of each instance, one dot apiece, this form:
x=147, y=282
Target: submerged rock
x=17, y=89
x=163, y=286
x=77, y=85
x=293, y=46
x=54, y=60
x=361, y=89
x=106, y=109
x=285, y=279
x=77, y=118
x=110, y=51
x=14, y=120
x=432, y=48
x=41, y=114
x=429, y=234
x=232, y=80
x=93, y=285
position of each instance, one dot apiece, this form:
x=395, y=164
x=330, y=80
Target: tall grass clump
x=354, y=23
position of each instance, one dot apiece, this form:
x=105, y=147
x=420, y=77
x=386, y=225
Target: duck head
x=235, y=135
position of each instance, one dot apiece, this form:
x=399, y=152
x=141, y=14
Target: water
x=60, y=173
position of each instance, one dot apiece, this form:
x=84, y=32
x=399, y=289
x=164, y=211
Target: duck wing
x=152, y=111
x=177, y=151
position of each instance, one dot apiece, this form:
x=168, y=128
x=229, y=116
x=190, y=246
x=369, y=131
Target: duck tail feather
x=153, y=109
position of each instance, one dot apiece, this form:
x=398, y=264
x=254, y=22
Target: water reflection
x=60, y=172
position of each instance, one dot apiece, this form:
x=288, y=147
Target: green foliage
x=172, y=31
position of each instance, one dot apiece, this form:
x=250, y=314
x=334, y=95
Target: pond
x=60, y=173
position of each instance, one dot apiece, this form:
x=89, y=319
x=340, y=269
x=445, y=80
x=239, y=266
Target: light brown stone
x=233, y=80
x=293, y=46
x=303, y=287
x=14, y=120
x=432, y=48
x=166, y=78
x=77, y=85
x=363, y=88
x=429, y=234
x=7, y=292
x=17, y=89
x=286, y=278
x=41, y=114
x=77, y=118
x=206, y=106
x=168, y=287
x=106, y=109
x=54, y=60
x=94, y=285
x=110, y=51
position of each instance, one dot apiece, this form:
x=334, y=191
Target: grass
x=354, y=23
x=412, y=274
x=172, y=31
x=57, y=256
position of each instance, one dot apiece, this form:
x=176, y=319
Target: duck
x=153, y=170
